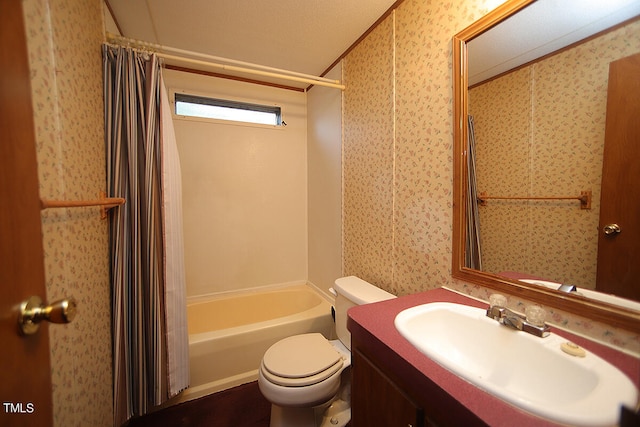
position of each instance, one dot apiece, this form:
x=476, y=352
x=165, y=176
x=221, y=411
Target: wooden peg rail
x=105, y=203
x=584, y=198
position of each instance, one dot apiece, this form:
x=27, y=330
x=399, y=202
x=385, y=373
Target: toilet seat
x=301, y=360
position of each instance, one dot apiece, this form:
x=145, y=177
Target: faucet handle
x=497, y=307
x=497, y=300
x=535, y=315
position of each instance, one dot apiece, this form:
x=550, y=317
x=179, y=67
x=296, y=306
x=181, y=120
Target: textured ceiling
x=307, y=36
x=542, y=28
x=300, y=35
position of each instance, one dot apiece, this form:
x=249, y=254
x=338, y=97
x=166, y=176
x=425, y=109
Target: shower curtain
x=473, y=256
x=150, y=339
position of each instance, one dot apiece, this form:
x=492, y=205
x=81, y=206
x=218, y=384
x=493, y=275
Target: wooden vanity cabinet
x=381, y=396
x=376, y=400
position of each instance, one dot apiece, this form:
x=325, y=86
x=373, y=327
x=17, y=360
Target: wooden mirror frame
x=599, y=311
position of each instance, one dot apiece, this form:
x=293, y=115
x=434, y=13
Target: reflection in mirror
x=539, y=132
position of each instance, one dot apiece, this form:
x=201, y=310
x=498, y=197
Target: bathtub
x=229, y=333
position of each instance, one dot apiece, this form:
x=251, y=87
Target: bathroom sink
x=529, y=372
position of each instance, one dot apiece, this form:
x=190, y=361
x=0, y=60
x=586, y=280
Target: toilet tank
x=352, y=291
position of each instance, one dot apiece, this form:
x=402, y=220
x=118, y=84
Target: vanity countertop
x=372, y=326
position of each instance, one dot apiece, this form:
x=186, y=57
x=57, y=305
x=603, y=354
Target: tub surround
x=252, y=180
x=444, y=397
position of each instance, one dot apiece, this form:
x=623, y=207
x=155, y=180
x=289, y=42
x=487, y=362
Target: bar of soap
x=573, y=349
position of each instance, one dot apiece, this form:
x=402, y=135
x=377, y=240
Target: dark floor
x=242, y=406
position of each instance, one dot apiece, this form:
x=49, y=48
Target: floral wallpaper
x=397, y=147
x=368, y=157
x=64, y=40
x=397, y=157
x=542, y=147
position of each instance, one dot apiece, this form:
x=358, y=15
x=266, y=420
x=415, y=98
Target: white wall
x=244, y=190
x=324, y=142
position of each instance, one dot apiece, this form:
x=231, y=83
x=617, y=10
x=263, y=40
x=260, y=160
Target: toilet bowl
x=306, y=377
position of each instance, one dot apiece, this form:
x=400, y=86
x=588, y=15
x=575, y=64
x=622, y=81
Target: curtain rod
x=240, y=66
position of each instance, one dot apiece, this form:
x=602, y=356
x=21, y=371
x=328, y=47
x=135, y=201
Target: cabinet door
x=376, y=400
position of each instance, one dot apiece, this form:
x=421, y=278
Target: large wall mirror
x=533, y=77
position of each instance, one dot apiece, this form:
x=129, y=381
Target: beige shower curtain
x=150, y=340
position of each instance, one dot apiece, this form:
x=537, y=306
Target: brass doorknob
x=610, y=229
x=33, y=311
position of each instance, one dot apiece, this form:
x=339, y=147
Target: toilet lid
x=301, y=360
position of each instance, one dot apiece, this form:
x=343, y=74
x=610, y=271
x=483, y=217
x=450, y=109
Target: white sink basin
x=529, y=372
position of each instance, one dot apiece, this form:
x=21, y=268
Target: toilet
x=306, y=377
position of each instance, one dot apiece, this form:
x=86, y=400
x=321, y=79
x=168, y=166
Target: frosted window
x=211, y=108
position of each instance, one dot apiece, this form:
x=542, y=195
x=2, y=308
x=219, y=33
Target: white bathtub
x=229, y=333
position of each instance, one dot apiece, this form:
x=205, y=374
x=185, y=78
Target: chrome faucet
x=532, y=324
x=567, y=288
